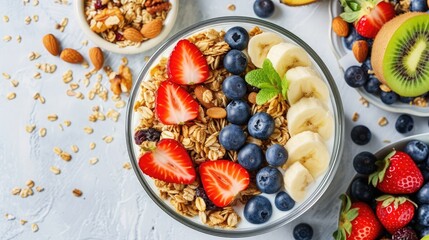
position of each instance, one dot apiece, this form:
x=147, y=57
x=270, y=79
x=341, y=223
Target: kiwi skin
x=382, y=39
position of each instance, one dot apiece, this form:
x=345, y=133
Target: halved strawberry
x=368, y=16
x=174, y=105
x=169, y=162
x=187, y=64
x=223, y=180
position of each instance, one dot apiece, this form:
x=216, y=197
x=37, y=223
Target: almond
x=152, y=28
x=340, y=27
x=360, y=50
x=71, y=56
x=200, y=91
x=133, y=35
x=51, y=44
x=216, y=112
x=97, y=58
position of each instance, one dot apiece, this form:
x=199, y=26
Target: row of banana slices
x=310, y=122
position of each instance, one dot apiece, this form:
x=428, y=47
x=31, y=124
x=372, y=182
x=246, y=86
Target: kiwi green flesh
x=406, y=59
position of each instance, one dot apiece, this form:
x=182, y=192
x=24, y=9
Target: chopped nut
x=364, y=102
x=9, y=216
x=77, y=192
x=34, y=227
x=55, y=170
x=16, y=190
x=355, y=116
x=11, y=96
x=52, y=117
x=74, y=148
x=92, y=145
x=5, y=18
x=42, y=132
x=65, y=156
x=39, y=189
x=22, y=221
x=88, y=130
x=93, y=161
x=382, y=121
x=231, y=7
x=108, y=139
x=30, y=128
x=126, y=166
x=30, y=183
x=385, y=88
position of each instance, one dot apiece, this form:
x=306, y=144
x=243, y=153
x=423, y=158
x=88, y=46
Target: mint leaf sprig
x=268, y=81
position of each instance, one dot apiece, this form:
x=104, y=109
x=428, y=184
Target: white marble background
x=114, y=205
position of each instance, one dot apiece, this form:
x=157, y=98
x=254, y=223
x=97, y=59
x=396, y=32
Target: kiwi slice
x=406, y=58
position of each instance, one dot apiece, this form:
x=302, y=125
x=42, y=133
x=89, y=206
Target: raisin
x=150, y=134
x=99, y=5
x=200, y=192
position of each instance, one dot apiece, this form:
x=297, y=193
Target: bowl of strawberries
x=389, y=196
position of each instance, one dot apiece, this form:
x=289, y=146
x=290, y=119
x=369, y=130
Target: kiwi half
x=401, y=54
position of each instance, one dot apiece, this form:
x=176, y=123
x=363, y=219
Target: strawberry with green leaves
x=394, y=213
x=397, y=174
x=368, y=16
x=357, y=221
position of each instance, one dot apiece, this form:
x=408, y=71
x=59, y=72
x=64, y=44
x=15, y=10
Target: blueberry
x=352, y=37
x=361, y=135
x=372, y=85
x=423, y=215
x=423, y=194
x=423, y=231
x=361, y=190
x=234, y=87
x=418, y=6
x=388, y=97
x=263, y=8
x=366, y=65
x=364, y=163
x=250, y=156
x=355, y=76
x=425, y=171
x=238, y=112
x=283, y=201
x=237, y=38
x=258, y=210
x=269, y=180
x=261, y=125
x=404, y=123
x=407, y=100
x=303, y=231
x=418, y=150
x=232, y=137
x=276, y=155
x=235, y=62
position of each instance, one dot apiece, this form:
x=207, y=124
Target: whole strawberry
x=397, y=174
x=357, y=222
x=394, y=212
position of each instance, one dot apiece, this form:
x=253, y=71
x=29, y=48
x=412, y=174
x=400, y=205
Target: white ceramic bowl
x=145, y=46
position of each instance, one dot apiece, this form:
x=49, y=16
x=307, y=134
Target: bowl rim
x=147, y=45
x=340, y=51
x=338, y=115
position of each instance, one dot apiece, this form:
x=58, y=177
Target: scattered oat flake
x=27, y=20
x=7, y=38
x=126, y=166
x=42, y=100
x=60, y=126
x=23, y=222
x=85, y=64
x=93, y=161
x=66, y=156
x=57, y=150
x=67, y=123
x=37, y=75
x=355, y=116
x=11, y=96
x=68, y=76
x=35, y=2
x=387, y=141
x=33, y=55
x=108, y=139
x=52, y=117
x=36, y=96
x=92, y=145
x=36, y=18
x=14, y=83
x=120, y=104
x=75, y=148
x=16, y=190
x=40, y=189
x=84, y=43
x=382, y=121
x=77, y=193
x=88, y=130
x=5, y=18
x=30, y=128
x=364, y=102
x=55, y=170
x=146, y=58
x=34, y=227
x=19, y=38
x=42, y=132
x=6, y=76
x=30, y=183
x=9, y=216
x=231, y=7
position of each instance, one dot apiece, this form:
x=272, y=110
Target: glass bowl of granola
x=126, y=27
x=210, y=164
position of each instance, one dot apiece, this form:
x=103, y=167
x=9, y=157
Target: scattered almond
x=51, y=44
x=96, y=57
x=71, y=56
x=340, y=27
x=152, y=28
x=133, y=35
x=360, y=50
x=216, y=112
x=200, y=91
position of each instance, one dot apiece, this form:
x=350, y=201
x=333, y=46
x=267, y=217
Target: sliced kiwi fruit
x=401, y=54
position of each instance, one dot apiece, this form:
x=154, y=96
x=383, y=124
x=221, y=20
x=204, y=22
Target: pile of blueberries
x=364, y=163
x=260, y=126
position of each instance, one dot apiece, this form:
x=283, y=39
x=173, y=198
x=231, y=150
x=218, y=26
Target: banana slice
x=296, y=179
x=285, y=56
x=305, y=82
x=309, y=149
x=259, y=46
x=312, y=115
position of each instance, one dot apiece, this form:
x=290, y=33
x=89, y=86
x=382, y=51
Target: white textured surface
x=114, y=205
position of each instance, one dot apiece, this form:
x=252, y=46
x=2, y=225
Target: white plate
x=346, y=59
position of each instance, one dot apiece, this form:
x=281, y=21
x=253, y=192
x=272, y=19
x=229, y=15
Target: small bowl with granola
x=235, y=127
x=126, y=27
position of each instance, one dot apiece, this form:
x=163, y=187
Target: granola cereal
x=110, y=19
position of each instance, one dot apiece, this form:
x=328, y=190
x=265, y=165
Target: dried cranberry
x=99, y=5
x=119, y=37
x=150, y=134
x=200, y=192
